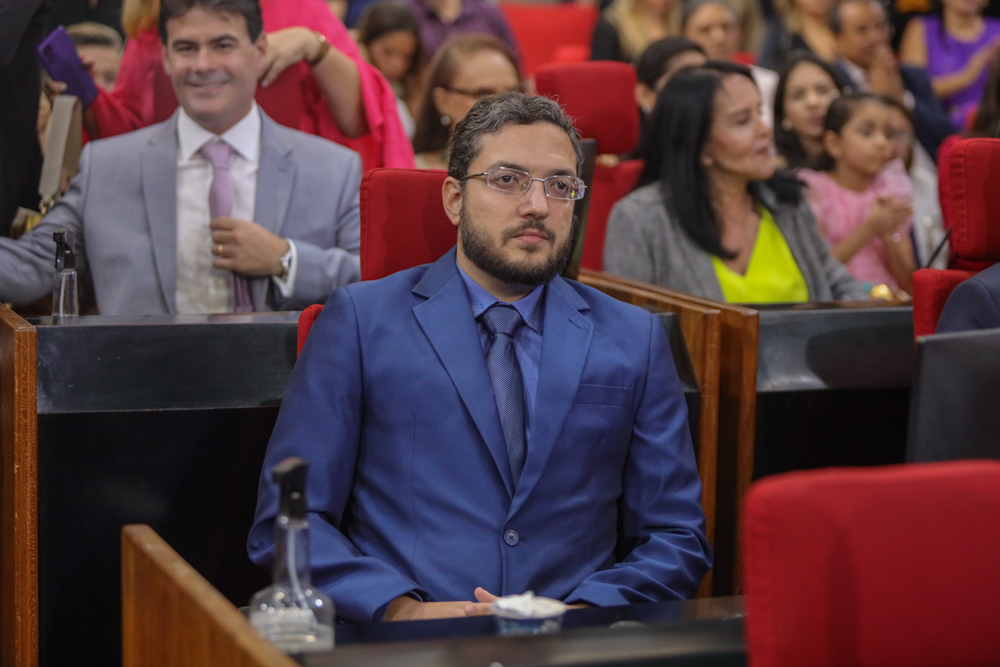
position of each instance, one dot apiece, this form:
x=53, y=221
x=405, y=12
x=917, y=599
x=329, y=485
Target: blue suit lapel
x=159, y=187
x=446, y=319
x=565, y=345
x=275, y=178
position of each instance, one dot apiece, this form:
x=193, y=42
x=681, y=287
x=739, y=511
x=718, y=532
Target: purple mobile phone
x=60, y=59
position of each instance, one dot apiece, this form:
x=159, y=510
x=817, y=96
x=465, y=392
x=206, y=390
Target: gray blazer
x=643, y=243
x=122, y=207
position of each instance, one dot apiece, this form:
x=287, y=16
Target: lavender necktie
x=220, y=204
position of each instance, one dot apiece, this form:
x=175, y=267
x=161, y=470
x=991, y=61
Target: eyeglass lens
x=514, y=181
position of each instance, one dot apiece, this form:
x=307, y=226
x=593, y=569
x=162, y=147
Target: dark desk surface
x=699, y=632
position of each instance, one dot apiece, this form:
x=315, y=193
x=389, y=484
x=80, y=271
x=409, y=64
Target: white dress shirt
x=200, y=287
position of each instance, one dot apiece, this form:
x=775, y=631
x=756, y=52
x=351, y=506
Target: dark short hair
x=655, y=60
x=836, y=21
x=838, y=115
x=692, y=6
x=248, y=9
x=786, y=141
x=680, y=127
x=492, y=114
x=382, y=18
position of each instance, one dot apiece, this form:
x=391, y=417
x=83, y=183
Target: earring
x=786, y=125
x=445, y=119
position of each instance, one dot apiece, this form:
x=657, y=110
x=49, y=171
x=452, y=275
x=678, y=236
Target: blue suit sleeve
x=662, y=534
x=969, y=308
x=320, y=421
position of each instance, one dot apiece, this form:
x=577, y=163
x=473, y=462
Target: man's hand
x=245, y=247
x=883, y=75
x=405, y=608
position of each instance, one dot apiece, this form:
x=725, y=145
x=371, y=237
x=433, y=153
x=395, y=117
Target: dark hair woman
x=465, y=69
x=389, y=37
x=711, y=217
x=806, y=86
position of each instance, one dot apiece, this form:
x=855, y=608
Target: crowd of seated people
x=812, y=200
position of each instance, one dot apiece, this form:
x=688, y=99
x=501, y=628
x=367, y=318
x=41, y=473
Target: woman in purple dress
x=957, y=48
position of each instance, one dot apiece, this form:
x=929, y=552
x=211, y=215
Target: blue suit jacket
x=409, y=487
x=974, y=305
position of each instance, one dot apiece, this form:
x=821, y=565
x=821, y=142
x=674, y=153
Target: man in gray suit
x=166, y=225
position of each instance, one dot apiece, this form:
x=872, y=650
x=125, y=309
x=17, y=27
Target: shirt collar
x=527, y=306
x=857, y=74
x=244, y=137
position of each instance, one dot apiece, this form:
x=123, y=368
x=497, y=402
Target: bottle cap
x=290, y=475
x=65, y=259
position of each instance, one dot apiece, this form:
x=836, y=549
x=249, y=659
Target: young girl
x=389, y=37
x=861, y=195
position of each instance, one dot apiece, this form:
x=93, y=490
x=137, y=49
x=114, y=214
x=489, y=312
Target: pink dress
x=130, y=106
x=841, y=211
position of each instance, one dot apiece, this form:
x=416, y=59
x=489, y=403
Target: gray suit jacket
x=122, y=207
x=644, y=243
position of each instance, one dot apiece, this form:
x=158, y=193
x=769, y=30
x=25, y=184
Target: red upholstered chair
x=874, y=567
x=386, y=245
x=549, y=33
x=387, y=195
x=970, y=198
x=600, y=96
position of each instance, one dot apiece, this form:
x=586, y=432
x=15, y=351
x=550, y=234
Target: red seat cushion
x=610, y=185
x=403, y=223
x=543, y=31
x=600, y=97
x=878, y=566
x=944, y=186
x=931, y=289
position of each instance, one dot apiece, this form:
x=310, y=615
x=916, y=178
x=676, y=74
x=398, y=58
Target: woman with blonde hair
x=347, y=100
x=627, y=27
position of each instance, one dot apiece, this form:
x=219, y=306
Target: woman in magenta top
x=359, y=114
x=861, y=196
x=957, y=48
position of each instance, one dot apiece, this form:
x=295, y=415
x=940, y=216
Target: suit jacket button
x=511, y=537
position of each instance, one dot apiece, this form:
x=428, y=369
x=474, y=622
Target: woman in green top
x=711, y=217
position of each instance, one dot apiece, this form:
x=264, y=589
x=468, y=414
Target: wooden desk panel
x=18, y=494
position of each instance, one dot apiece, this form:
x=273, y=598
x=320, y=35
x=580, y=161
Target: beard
x=481, y=251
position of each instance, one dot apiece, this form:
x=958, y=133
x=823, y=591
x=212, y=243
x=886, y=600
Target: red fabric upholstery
x=600, y=96
x=931, y=289
x=306, y=320
x=403, y=223
x=610, y=185
x=944, y=185
x=543, y=31
x=874, y=567
x=974, y=199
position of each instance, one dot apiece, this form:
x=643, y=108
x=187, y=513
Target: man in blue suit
x=974, y=304
x=480, y=426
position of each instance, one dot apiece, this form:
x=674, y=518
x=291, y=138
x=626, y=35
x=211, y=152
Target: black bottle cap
x=290, y=475
x=65, y=259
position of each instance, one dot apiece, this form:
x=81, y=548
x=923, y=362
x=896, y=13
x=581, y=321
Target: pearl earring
x=786, y=125
x=445, y=119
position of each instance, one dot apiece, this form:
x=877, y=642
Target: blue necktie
x=502, y=322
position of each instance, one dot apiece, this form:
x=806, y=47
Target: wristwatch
x=286, y=262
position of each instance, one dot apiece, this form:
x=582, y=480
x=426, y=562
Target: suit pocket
x=602, y=394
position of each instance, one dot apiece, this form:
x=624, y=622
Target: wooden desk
x=172, y=616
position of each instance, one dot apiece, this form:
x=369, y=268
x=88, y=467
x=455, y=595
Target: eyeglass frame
x=581, y=186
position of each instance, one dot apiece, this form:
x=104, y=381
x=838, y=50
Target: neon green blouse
x=772, y=275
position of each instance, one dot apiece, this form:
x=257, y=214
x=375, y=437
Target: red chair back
x=931, y=289
x=403, y=223
x=550, y=33
x=611, y=118
x=877, y=566
x=306, y=319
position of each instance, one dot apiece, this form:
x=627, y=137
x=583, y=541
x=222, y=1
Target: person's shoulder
x=378, y=291
x=604, y=308
x=987, y=278
x=127, y=148
x=647, y=195
x=309, y=145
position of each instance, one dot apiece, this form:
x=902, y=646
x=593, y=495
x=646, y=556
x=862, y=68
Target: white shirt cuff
x=909, y=101
x=286, y=283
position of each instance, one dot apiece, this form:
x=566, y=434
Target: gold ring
x=218, y=248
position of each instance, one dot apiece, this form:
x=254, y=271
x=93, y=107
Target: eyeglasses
x=480, y=93
x=515, y=181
